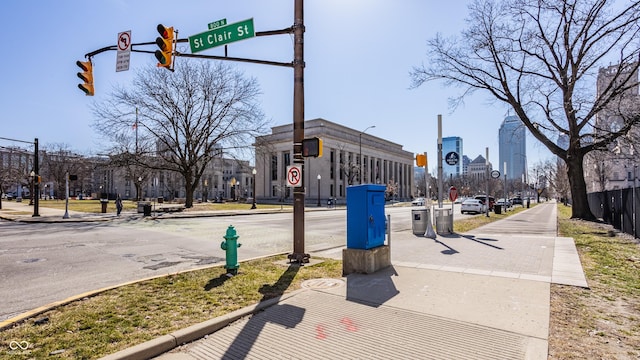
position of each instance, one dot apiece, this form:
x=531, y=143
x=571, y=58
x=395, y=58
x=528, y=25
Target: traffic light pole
x=298, y=64
x=298, y=254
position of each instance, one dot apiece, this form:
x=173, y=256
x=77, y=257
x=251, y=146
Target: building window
x=331, y=191
x=341, y=165
x=274, y=167
x=332, y=161
x=341, y=191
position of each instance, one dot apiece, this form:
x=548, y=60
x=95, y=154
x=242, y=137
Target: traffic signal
x=312, y=147
x=421, y=160
x=165, y=43
x=87, y=76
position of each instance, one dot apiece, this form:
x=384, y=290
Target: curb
x=42, y=309
x=163, y=344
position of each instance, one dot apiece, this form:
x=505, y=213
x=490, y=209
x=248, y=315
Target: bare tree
x=541, y=58
x=183, y=118
x=58, y=161
x=391, y=191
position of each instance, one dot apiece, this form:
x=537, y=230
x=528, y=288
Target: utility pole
x=487, y=177
x=36, y=168
x=298, y=254
x=440, y=191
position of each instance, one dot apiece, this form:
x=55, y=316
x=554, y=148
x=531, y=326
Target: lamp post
x=319, y=178
x=360, y=156
x=254, y=172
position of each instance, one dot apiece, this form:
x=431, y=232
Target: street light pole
x=360, y=156
x=36, y=167
x=319, y=178
x=254, y=172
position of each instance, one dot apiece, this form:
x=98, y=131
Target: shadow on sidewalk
x=372, y=289
x=282, y=314
x=468, y=237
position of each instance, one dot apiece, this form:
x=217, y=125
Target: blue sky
x=358, y=56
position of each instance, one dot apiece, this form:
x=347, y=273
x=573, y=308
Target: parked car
x=483, y=198
x=505, y=203
x=516, y=200
x=472, y=206
x=418, y=202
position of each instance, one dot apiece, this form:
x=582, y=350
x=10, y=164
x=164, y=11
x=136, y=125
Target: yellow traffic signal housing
x=312, y=147
x=87, y=76
x=421, y=160
x=165, y=43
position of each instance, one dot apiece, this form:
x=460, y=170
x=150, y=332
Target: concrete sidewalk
x=481, y=295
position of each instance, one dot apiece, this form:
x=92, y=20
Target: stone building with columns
x=350, y=157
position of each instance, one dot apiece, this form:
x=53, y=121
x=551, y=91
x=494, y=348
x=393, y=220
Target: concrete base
x=365, y=261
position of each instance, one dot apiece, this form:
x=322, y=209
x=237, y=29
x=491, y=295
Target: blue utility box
x=366, y=224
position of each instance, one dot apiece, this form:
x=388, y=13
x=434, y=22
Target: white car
x=472, y=206
x=418, y=202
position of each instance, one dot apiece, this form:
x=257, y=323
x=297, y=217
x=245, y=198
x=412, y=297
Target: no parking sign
x=294, y=176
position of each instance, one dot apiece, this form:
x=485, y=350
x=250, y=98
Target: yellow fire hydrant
x=230, y=245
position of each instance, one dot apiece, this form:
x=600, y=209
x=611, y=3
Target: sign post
x=453, y=195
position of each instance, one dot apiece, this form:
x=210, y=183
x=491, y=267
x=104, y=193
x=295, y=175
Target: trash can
x=497, y=209
x=160, y=200
x=141, y=205
x=147, y=209
x=420, y=221
x=444, y=220
x=104, y=203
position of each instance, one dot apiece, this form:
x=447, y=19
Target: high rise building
x=512, y=148
x=452, y=144
x=615, y=167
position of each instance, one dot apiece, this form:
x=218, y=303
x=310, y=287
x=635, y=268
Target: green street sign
x=217, y=24
x=222, y=35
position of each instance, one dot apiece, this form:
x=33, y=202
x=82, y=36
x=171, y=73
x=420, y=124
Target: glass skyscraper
x=512, y=144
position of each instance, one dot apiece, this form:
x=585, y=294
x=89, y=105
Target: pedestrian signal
x=312, y=147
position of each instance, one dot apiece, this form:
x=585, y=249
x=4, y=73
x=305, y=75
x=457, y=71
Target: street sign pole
x=487, y=175
x=298, y=254
x=440, y=161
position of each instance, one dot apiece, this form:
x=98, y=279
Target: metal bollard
x=230, y=245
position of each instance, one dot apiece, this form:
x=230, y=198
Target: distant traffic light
x=312, y=147
x=87, y=76
x=165, y=43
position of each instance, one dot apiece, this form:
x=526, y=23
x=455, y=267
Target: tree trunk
x=189, y=188
x=580, y=204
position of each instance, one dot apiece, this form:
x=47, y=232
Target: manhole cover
x=322, y=283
